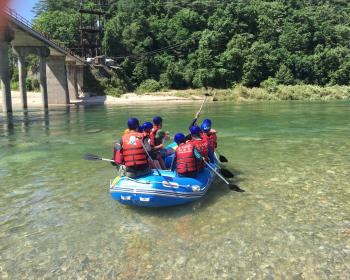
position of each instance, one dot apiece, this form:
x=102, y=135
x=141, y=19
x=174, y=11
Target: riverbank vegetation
x=282, y=92
x=240, y=93
x=275, y=48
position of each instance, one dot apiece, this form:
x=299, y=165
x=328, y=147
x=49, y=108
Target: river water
x=57, y=220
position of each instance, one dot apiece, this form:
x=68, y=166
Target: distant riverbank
x=236, y=94
x=34, y=98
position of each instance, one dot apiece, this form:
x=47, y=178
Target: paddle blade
x=226, y=173
x=92, y=157
x=235, y=188
x=223, y=158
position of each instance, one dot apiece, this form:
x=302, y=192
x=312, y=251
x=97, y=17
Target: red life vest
x=211, y=138
x=133, y=152
x=118, y=157
x=185, y=159
x=202, y=147
x=153, y=135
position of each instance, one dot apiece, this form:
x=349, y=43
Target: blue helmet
x=147, y=126
x=195, y=130
x=133, y=123
x=140, y=128
x=179, y=138
x=206, y=125
x=157, y=120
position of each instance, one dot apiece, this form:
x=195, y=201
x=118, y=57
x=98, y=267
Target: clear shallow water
x=57, y=219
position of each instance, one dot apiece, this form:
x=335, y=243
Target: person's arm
x=197, y=155
x=159, y=147
x=146, y=143
x=173, y=163
x=215, y=140
x=117, y=153
x=211, y=155
x=194, y=121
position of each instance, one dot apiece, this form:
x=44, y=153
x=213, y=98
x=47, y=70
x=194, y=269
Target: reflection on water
x=58, y=221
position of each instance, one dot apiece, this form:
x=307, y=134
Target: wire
x=180, y=4
x=156, y=51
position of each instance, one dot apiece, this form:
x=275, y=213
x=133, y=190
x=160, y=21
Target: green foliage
x=29, y=84
x=149, y=85
x=63, y=26
x=101, y=81
x=284, y=76
x=14, y=85
x=32, y=84
x=186, y=44
x=270, y=83
x=271, y=91
x=36, y=85
x=43, y=6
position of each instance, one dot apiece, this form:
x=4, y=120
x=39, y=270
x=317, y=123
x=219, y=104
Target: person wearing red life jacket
x=209, y=134
x=187, y=157
x=130, y=154
x=157, y=125
x=147, y=128
x=200, y=144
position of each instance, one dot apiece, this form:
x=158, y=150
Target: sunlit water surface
x=57, y=219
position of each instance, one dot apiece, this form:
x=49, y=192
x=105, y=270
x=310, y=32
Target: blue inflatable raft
x=168, y=189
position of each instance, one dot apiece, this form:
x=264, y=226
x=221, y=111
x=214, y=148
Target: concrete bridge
x=61, y=71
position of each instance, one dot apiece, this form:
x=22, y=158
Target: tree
x=43, y=6
x=196, y=43
x=260, y=63
x=63, y=26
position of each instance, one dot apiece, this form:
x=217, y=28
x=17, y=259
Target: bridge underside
x=61, y=73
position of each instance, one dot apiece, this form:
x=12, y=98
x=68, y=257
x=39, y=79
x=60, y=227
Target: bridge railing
x=12, y=13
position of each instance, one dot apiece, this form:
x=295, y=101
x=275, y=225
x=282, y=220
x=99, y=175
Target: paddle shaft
x=172, y=162
x=150, y=158
x=200, y=109
x=217, y=173
x=94, y=157
x=106, y=159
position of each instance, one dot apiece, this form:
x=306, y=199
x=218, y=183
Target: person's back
x=209, y=134
x=133, y=151
x=200, y=144
x=186, y=161
x=211, y=138
x=157, y=125
x=147, y=128
x=134, y=156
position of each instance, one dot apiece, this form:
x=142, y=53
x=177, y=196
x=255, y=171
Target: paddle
x=205, y=98
x=94, y=157
x=222, y=158
x=226, y=173
x=155, y=167
x=232, y=187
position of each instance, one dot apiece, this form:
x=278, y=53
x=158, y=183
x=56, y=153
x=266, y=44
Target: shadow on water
x=8, y=124
x=25, y=119
x=215, y=192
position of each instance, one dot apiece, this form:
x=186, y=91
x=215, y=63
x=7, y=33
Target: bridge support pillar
x=72, y=80
x=57, y=80
x=43, y=82
x=22, y=52
x=5, y=78
x=80, y=79
x=22, y=75
x=6, y=36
